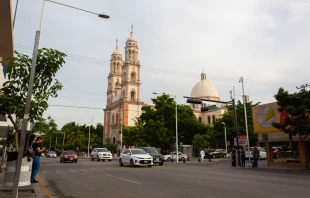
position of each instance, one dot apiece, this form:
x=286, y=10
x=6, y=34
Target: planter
x=25, y=171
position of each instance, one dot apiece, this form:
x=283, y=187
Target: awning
x=6, y=33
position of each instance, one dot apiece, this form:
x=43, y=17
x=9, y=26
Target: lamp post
x=176, y=124
x=29, y=95
x=121, y=121
x=223, y=123
x=89, y=136
x=245, y=117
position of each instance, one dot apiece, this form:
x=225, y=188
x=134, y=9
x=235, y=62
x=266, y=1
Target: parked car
x=69, y=155
x=51, y=154
x=157, y=157
x=262, y=153
x=173, y=156
x=215, y=153
x=135, y=157
x=101, y=154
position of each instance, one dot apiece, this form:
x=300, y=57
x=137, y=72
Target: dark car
x=157, y=157
x=215, y=153
x=70, y=156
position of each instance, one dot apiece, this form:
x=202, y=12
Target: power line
x=97, y=61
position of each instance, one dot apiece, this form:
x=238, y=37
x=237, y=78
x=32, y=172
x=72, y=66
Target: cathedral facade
x=123, y=92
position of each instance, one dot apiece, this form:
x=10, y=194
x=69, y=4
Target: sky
x=265, y=42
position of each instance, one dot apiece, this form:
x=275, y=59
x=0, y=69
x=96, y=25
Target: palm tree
x=75, y=137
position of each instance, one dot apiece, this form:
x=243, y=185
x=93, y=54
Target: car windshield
x=102, y=150
x=138, y=151
x=151, y=150
x=52, y=152
x=69, y=153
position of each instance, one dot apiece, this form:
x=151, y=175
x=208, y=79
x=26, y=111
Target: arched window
x=209, y=119
x=133, y=77
x=213, y=118
x=199, y=119
x=116, y=118
x=132, y=95
x=113, y=140
x=113, y=118
x=193, y=105
x=115, y=92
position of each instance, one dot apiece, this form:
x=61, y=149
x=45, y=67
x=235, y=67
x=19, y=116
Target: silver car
x=51, y=154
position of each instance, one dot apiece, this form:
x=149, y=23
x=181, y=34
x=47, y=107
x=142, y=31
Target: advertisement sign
x=242, y=140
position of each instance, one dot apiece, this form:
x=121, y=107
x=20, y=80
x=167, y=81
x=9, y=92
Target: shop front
x=281, y=148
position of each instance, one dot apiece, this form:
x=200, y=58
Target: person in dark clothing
x=233, y=156
x=255, y=156
x=36, y=158
x=242, y=157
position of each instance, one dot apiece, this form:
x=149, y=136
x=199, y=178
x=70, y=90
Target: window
x=113, y=140
x=116, y=118
x=132, y=95
x=213, y=118
x=115, y=92
x=209, y=120
x=123, y=93
x=113, y=118
x=133, y=77
x=193, y=106
x=199, y=119
x=125, y=151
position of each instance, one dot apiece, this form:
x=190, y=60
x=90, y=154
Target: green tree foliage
x=47, y=128
x=14, y=92
x=218, y=137
x=200, y=141
x=297, y=105
x=110, y=146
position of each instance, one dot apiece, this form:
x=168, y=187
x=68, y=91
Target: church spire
x=132, y=28
x=117, y=44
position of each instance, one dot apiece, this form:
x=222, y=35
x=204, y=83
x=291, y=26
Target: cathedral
x=123, y=92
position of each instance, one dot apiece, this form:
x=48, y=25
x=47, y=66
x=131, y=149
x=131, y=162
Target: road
x=90, y=179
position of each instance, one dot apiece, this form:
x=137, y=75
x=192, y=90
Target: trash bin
x=25, y=171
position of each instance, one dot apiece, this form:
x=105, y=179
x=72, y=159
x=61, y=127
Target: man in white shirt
x=202, y=154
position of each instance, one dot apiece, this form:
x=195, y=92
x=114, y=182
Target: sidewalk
x=31, y=191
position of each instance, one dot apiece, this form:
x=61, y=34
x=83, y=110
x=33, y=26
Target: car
x=51, y=154
x=173, y=156
x=69, y=155
x=101, y=154
x=157, y=157
x=135, y=157
x=262, y=153
x=216, y=153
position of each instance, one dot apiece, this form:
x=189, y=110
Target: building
x=206, y=90
x=280, y=150
x=123, y=92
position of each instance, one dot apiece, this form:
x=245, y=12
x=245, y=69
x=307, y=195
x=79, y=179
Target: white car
x=135, y=157
x=262, y=153
x=174, y=157
x=51, y=154
x=101, y=154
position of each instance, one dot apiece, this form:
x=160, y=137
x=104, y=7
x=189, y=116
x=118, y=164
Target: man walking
x=202, y=155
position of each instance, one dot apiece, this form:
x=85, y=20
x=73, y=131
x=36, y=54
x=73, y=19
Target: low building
x=281, y=149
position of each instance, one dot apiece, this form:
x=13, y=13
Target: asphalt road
x=90, y=179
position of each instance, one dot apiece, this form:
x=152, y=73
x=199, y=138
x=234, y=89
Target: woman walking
x=36, y=158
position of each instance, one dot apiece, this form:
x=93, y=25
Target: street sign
x=212, y=107
x=242, y=140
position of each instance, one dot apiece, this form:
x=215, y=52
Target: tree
x=110, y=146
x=200, y=141
x=46, y=127
x=297, y=105
x=14, y=92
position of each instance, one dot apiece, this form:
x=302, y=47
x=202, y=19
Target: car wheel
x=213, y=156
x=60, y=161
x=223, y=156
x=182, y=159
x=98, y=158
x=75, y=161
x=149, y=165
x=103, y=160
x=91, y=157
x=162, y=163
x=120, y=162
x=131, y=163
x=110, y=160
x=169, y=159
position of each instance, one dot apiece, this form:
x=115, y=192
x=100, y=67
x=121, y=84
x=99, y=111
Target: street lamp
x=89, y=136
x=29, y=95
x=176, y=124
x=121, y=121
x=245, y=117
x=223, y=123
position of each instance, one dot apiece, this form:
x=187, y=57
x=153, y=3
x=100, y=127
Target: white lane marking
x=84, y=170
x=123, y=179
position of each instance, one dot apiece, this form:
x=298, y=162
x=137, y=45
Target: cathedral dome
x=117, y=52
x=131, y=38
x=204, y=89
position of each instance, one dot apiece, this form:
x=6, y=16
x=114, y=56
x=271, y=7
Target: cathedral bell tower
x=131, y=70
x=115, y=75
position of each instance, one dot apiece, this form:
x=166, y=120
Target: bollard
x=209, y=159
x=184, y=160
x=199, y=160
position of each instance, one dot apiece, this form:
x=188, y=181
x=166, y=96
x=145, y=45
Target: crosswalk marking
x=84, y=170
x=71, y=170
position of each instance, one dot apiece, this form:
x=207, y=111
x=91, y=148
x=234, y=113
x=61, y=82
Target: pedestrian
x=233, y=156
x=242, y=157
x=255, y=156
x=36, y=158
x=202, y=155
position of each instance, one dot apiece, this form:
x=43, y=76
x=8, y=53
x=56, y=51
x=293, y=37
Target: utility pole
x=303, y=86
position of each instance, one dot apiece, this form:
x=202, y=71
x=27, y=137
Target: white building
x=206, y=90
x=123, y=92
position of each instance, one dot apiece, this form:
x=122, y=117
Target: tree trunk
x=16, y=130
x=305, y=150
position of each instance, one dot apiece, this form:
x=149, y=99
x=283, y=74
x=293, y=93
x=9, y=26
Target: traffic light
x=204, y=109
x=193, y=101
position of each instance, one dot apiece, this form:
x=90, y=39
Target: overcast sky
x=266, y=42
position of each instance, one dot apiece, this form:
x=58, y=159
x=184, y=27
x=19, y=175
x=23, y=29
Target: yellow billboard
x=263, y=117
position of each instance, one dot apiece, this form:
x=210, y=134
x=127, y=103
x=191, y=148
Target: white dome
x=131, y=38
x=117, y=52
x=204, y=89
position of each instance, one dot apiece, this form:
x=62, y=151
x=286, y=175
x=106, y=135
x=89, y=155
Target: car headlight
x=76, y=157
